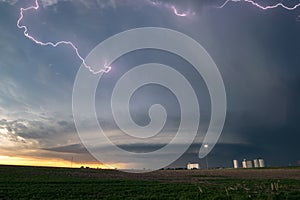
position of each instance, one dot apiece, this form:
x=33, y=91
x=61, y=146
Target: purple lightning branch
x=36, y=7
x=171, y=7
x=154, y=3
x=179, y=14
x=262, y=7
x=55, y=44
x=188, y=13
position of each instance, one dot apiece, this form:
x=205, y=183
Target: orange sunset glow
x=31, y=161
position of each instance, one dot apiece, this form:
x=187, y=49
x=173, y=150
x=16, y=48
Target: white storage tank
x=235, y=164
x=249, y=164
x=261, y=162
x=244, y=163
x=256, y=163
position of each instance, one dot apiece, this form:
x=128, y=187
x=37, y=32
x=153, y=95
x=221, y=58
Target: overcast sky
x=257, y=53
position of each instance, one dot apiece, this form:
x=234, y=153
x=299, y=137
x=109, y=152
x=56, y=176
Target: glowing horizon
x=51, y=162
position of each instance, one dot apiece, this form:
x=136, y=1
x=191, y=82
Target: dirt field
x=17, y=182
x=192, y=176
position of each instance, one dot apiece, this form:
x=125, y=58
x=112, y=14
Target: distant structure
x=256, y=163
x=193, y=166
x=244, y=163
x=261, y=162
x=249, y=164
x=235, y=164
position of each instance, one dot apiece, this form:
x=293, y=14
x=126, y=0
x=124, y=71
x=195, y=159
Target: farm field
x=18, y=182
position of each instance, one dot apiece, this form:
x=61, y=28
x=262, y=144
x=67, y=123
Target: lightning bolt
x=179, y=14
x=55, y=44
x=172, y=8
x=262, y=7
x=154, y=3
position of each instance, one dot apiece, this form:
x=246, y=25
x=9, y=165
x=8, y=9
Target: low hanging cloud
x=43, y=133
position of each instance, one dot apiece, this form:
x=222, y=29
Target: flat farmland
x=19, y=182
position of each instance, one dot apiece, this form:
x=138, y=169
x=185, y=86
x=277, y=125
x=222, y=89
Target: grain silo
x=261, y=162
x=244, y=163
x=249, y=164
x=235, y=164
x=256, y=163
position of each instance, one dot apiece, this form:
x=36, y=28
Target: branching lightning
x=260, y=6
x=54, y=44
x=106, y=69
x=188, y=13
x=177, y=13
x=172, y=8
x=169, y=6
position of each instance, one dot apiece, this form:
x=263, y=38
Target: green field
x=64, y=183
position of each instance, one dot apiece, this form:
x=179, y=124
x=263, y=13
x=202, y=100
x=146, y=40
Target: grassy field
x=64, y=183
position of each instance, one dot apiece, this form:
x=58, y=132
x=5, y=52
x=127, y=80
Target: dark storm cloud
x=263, y=82
x=73, y=148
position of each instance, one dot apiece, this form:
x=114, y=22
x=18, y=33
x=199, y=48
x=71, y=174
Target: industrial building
x=193, y=166
x=249, y=164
